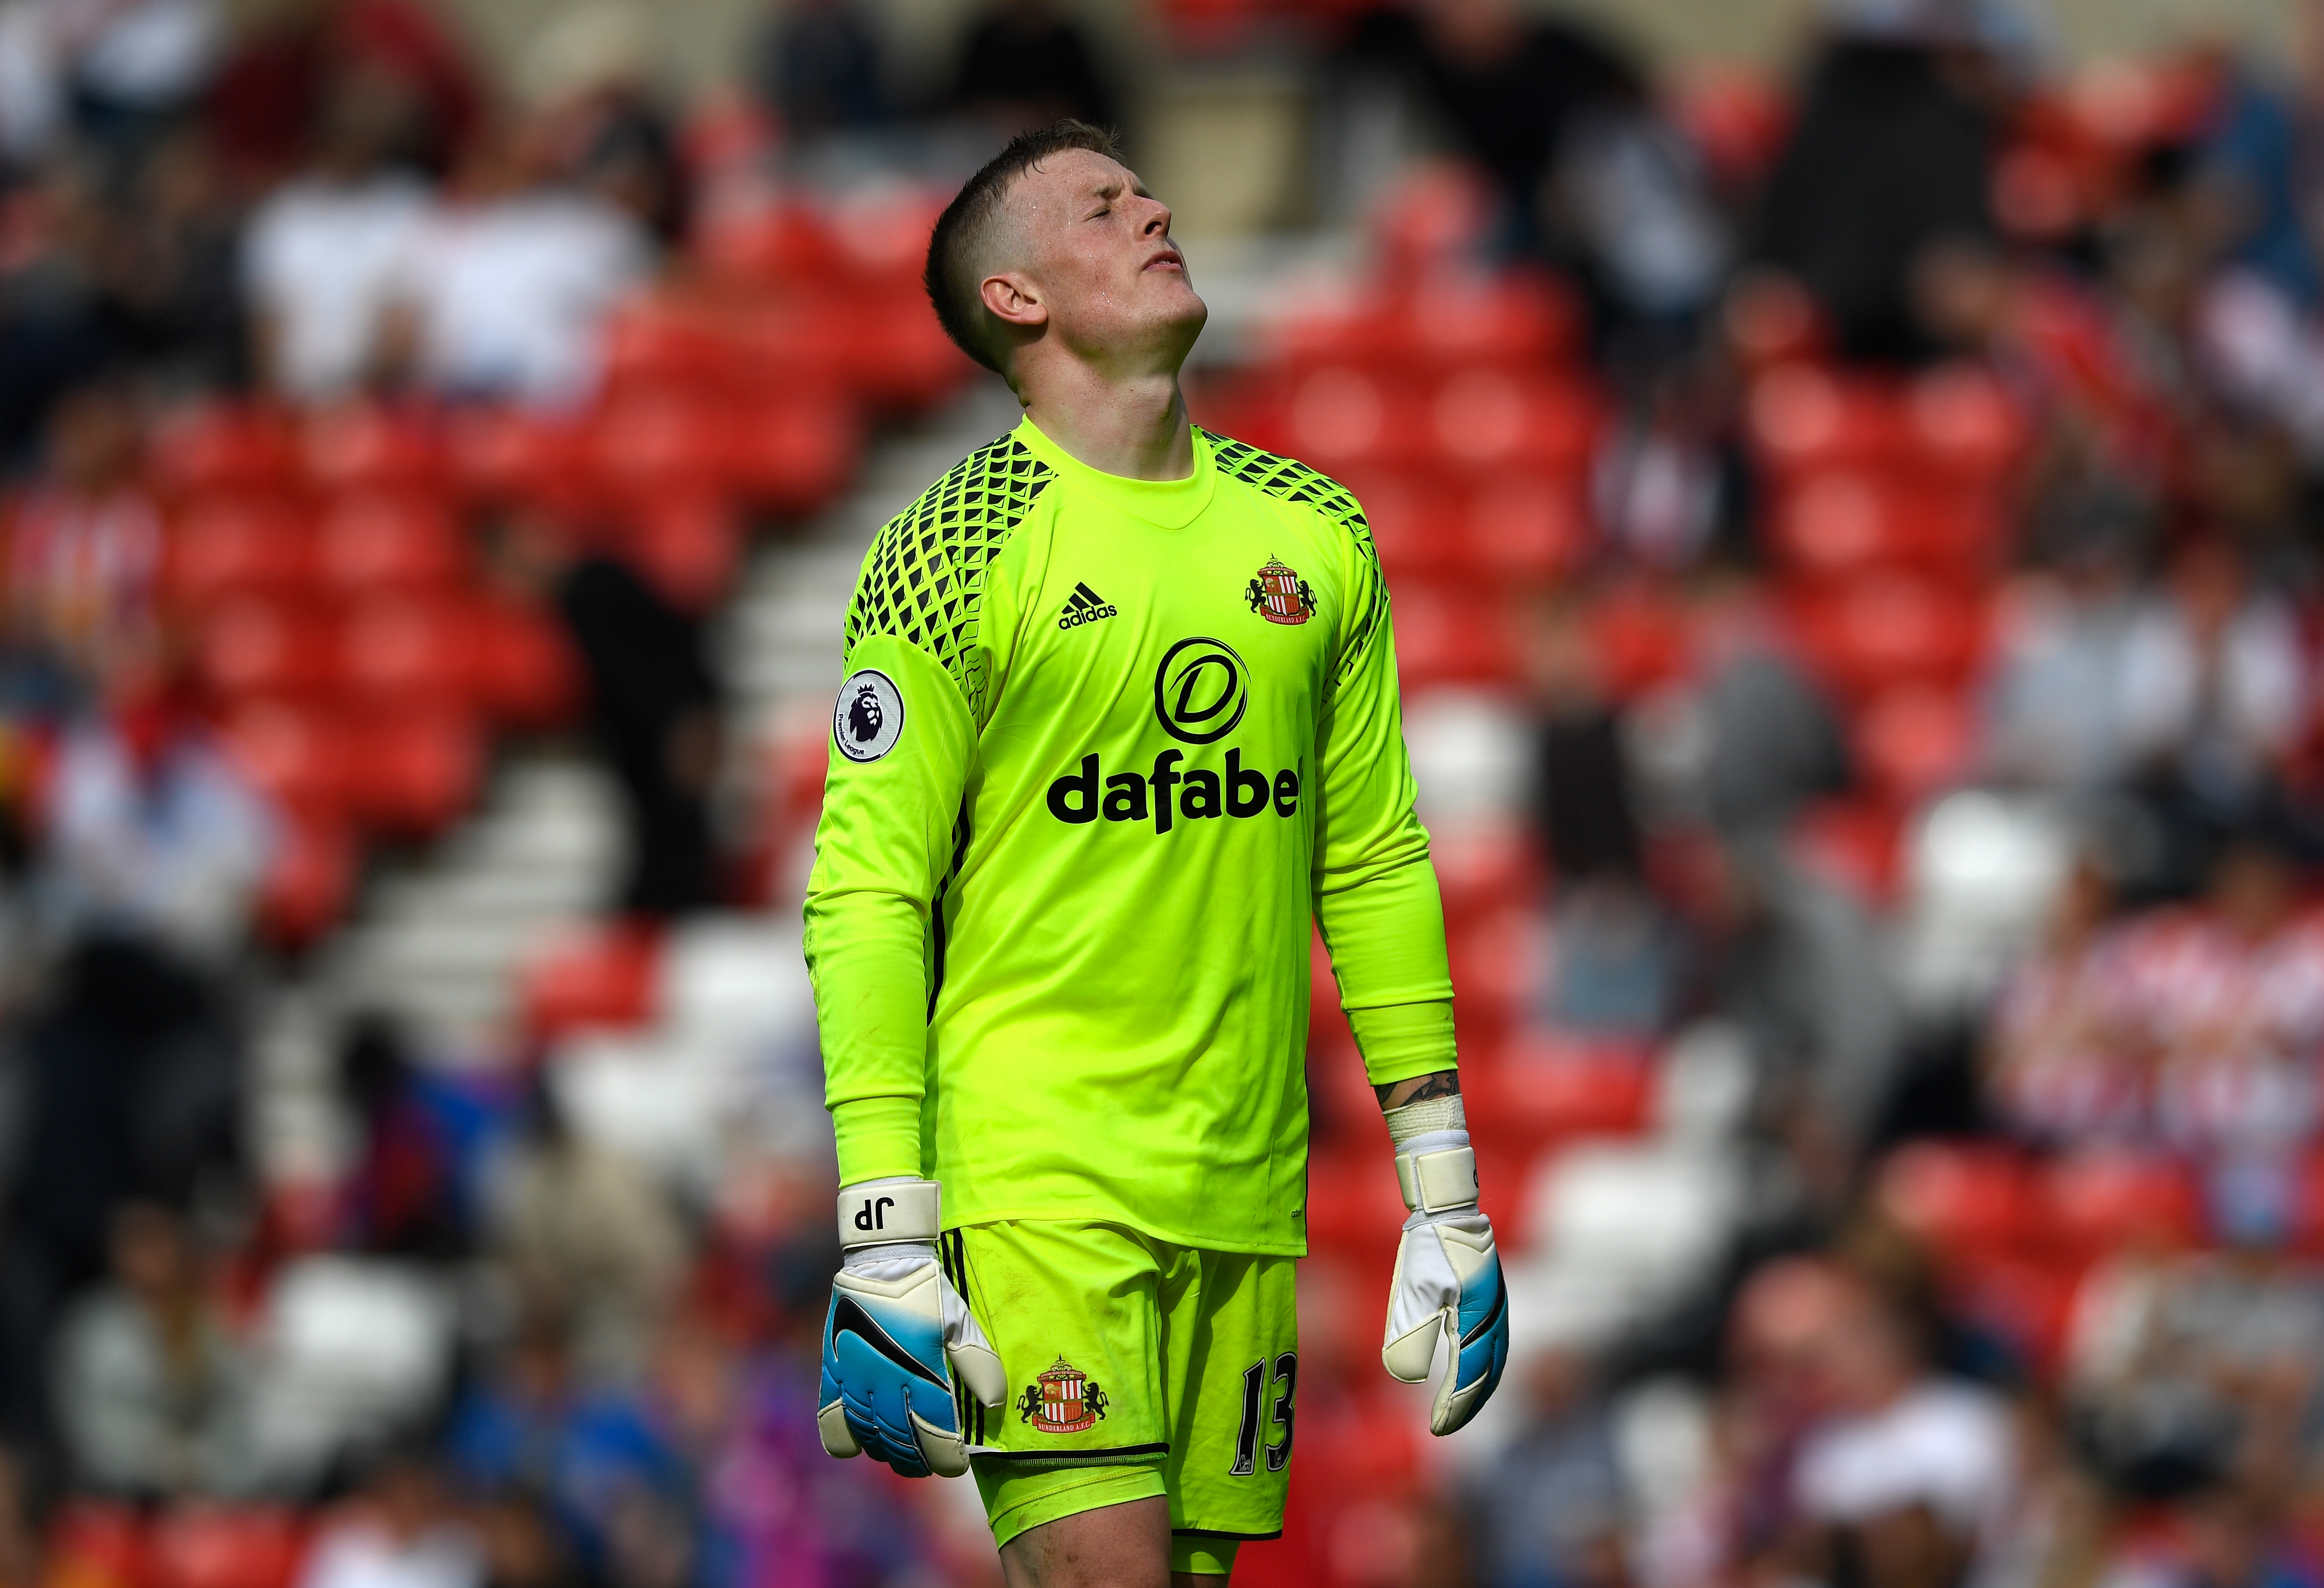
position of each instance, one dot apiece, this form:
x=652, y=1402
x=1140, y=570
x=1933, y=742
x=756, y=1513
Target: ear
x=1011, y=298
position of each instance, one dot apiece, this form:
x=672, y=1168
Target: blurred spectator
x=84, y=556
x=275, y=88
x=1792, y=960
x=1508, y=85
x=2230, y=1000
x=2254, y=172
x=1888, y=155
x=2063, y=1067
x=152, y=1393
x=588, y=1235
x=1551, y=1510
x=653, y=708
x=503, y=290
x=1024, y=63
x=323, y=249
x=402, y=1532
x=117, y=72
x=820, y=67
x=1749, y=738
x=2216, y=693
x=156, y=844
x=2058, y=707
x=589, y=78
x=402, y=1195
x=1903, y=1476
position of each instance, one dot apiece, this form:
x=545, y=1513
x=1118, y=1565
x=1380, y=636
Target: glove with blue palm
x=1448, y=1276
x=896, y=1336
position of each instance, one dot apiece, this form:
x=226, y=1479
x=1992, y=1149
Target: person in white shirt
x=502, y=293
x=321, y=251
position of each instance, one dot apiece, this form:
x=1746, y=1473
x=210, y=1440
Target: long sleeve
x=883, y=848
x=1376, y=897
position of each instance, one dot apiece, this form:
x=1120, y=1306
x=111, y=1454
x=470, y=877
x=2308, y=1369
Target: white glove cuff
x=882, y=1213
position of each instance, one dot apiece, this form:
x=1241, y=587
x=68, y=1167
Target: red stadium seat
x=794, y=454
x=300, y=757
x=1549, y=1088
x=2106, y=1201
x=1414, y=530
x=374, y=542
x=905, y=360
x=1453, y=636
x=94, y=1544
x=1913, y=740
x=1801, y=417
x=1851, y=844
x=309, y=880
x=1460, y=320
x=647, y=444
x=1482, y=417
x=1962, y=425
x=1875, y=633
x=766, y=242
x=368, y=447
x=606, y=977
x=1527, y=525
x=688, y=547
x=1961, y=1196
x=1737, y=116
x=410, y=650
x=220, y=1547
x=415, y=770
x=508, y=455
x=230, y=547
x=1771, y=321
x=1640, y=637
x=2027, y=1302
x=252, y=649
x=221, y=448
x=659, y=340
x=526, y=673
x=1340, y=418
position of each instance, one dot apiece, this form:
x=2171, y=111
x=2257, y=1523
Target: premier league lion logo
x=864, y=717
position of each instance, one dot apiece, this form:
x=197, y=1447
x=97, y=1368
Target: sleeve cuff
x=879, y=1138
x=1401, y=1040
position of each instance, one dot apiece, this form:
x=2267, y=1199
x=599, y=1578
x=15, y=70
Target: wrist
x=892, y=1211
x=1435, y=1167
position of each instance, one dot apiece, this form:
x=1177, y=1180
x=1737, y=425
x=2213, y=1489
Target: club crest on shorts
x=1279, y=594
x=1062, y=1400
x=869, y=716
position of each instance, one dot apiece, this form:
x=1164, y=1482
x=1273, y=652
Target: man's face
x=1092, y=247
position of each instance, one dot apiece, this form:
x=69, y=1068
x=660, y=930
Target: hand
x=1448, y=1274
x=895, y=1337
x=1448, y=1277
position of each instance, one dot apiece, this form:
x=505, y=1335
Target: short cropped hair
x=955, y=248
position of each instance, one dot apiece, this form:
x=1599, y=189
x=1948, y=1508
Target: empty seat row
x=505, y=660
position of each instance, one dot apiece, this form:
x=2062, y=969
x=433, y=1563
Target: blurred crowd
x=1855, y=542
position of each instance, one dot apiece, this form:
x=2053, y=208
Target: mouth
x=1168, y=259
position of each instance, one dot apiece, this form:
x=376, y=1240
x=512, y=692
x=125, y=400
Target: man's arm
x=900, y=746
x=1376, y=898
x=1419, y=1089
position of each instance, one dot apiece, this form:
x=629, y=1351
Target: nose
x=1157, y=220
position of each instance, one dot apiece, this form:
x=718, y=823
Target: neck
x=1135, y=427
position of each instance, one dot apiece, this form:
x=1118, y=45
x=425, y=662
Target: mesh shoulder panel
x=1293, y=481
x=924, y=581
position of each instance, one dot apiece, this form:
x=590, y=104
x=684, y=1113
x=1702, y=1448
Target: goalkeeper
x=1119, y=720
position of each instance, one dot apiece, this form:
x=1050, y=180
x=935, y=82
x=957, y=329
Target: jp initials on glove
x=1448, y=1277
x=896, y=1336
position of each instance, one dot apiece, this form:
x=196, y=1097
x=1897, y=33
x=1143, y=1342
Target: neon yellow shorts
x=1137, y=1367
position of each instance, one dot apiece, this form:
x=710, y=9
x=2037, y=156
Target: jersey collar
x=1170, y=504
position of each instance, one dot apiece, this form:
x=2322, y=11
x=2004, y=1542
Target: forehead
x=1068, y=175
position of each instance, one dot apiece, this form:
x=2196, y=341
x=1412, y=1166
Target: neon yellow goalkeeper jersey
x=1104, y=748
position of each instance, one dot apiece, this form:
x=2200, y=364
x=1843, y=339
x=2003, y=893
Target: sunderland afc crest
x=1279, y=594
x=1062, y=1400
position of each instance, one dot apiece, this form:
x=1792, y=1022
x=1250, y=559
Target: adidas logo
x=1086, y=606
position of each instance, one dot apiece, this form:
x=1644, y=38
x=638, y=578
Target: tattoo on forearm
x=1419, y=1089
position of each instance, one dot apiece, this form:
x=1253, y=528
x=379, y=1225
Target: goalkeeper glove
x=894, y=1325
x=1448, y=1277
